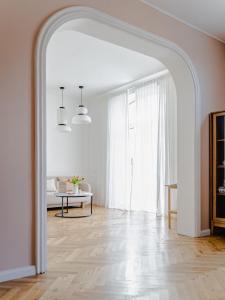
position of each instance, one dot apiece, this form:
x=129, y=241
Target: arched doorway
x=182, y=70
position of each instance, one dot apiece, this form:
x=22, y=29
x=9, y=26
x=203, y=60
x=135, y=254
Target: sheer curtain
x=145, y=156
x=117, y=195
x=167, y=140
x=155, y=155
x=156, y=144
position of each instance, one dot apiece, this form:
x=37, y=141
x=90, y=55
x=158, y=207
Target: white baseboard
x=205, y=232
x=17, y=273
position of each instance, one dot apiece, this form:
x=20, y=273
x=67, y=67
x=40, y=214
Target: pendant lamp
x=61, y=117
x=81, y=116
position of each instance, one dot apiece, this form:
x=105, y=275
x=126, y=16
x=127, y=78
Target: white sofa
x=52, y=187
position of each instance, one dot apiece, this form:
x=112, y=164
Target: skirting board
x=205, y=232
x=17, y=273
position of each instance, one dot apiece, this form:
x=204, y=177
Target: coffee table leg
x=62, y=206
x=91, y=204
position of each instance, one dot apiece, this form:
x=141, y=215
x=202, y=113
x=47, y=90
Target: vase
x=76, y=188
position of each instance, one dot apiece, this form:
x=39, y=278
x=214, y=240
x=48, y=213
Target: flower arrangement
x=76, y=180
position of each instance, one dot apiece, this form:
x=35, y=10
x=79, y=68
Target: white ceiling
x=205, y=15
x=74, y=58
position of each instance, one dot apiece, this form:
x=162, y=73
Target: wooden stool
x=170, y=211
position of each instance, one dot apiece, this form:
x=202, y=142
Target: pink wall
x=19, y=25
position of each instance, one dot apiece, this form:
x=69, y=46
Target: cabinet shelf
x=221, y=166
x=220, y=140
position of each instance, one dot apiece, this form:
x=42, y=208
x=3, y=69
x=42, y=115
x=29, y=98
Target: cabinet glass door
x=220, y=166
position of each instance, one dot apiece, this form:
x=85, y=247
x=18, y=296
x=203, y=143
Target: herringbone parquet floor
x=120, y=255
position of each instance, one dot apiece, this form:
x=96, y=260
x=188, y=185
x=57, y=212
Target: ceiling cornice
x=182, y=21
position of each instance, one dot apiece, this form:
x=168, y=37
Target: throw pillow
x=51, y=185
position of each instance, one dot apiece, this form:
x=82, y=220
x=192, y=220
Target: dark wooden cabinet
x=217, y=169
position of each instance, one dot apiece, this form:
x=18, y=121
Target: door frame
x=48, y=29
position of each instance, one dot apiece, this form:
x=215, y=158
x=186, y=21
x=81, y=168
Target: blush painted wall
x=20, y=22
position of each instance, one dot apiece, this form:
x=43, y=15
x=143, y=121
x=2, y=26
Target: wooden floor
x=120, y=255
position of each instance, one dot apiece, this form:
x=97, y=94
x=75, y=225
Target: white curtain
x=155, y=162
x=155, y=154
x=167, y=141
x=145, y=156
x=117, y=193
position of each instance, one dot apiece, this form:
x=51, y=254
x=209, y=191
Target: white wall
x=83, y=151
x=67, y=153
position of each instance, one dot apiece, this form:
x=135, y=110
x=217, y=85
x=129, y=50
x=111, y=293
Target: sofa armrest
x=84, y=186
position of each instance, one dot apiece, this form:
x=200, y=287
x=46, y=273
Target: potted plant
x=76, y=180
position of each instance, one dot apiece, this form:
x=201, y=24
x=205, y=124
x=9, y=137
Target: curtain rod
x=136, y=82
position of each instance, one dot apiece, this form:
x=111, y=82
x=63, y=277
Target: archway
x=188, y=97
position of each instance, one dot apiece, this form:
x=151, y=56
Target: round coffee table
x=81, y=195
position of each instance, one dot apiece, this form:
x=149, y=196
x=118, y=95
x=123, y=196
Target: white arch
x=188, y=118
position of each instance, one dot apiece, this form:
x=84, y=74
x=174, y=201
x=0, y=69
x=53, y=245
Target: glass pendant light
x=61, y=117
x=82, y=113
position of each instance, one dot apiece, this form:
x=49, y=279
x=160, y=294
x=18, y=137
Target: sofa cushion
x=51, y=187
x=61, y=187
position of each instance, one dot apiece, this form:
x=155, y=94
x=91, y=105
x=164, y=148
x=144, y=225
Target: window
x=142, y=151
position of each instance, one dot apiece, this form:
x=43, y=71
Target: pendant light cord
x=62, y=96
x=81, y=96
x=62, y=89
